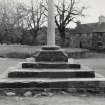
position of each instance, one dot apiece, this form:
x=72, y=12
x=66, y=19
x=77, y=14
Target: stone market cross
x=51, y=68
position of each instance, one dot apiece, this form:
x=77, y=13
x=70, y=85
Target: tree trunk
x=62, y=34
x=34, y=41
x=62, y=41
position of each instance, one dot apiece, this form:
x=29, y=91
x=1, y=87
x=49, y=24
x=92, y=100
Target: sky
x=94, y=9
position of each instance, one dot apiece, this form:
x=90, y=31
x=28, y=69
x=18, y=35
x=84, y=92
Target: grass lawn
x=28, y=49
x=22, y=51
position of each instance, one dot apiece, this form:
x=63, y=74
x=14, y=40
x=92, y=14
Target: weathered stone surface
x=50, y=65
x=51, y=74
x=51, y=24
x=10, y=93
x=51, y=55
x=85, y=83
x=50, y=47
x=28, y=94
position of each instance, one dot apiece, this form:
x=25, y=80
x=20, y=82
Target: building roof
x=89, y=28
x=100, y=28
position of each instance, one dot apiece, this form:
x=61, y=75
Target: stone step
x=53, y=83
x=50, y=47
x=51, y=65
x=50, y=73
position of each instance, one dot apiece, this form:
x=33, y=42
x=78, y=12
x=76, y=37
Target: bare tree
x=21, y=17
x=35, y=18
x=10, y=20
x=5, y=21
x=67, y=12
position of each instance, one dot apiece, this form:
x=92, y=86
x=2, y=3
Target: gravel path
x=54, y=100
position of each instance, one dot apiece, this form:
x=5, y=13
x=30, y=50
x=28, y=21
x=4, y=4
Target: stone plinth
x=51, y=54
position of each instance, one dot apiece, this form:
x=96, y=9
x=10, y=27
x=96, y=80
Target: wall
x=81, y=40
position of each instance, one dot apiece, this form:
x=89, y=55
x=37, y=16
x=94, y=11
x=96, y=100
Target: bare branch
x=66, y=12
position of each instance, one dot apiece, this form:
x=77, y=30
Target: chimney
x=101, y=19
x=78, y=23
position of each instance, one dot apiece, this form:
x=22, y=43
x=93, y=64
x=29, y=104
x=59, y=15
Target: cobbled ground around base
x=54, y=100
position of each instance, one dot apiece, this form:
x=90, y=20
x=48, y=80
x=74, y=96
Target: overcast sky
x=95, y=8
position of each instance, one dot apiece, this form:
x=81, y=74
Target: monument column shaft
x=51, y=24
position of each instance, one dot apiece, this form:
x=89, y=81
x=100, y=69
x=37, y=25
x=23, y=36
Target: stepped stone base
x=51, y=69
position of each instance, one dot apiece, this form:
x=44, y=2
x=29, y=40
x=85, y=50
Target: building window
x=100, y=35
x=99, y=44
x=85, y=35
